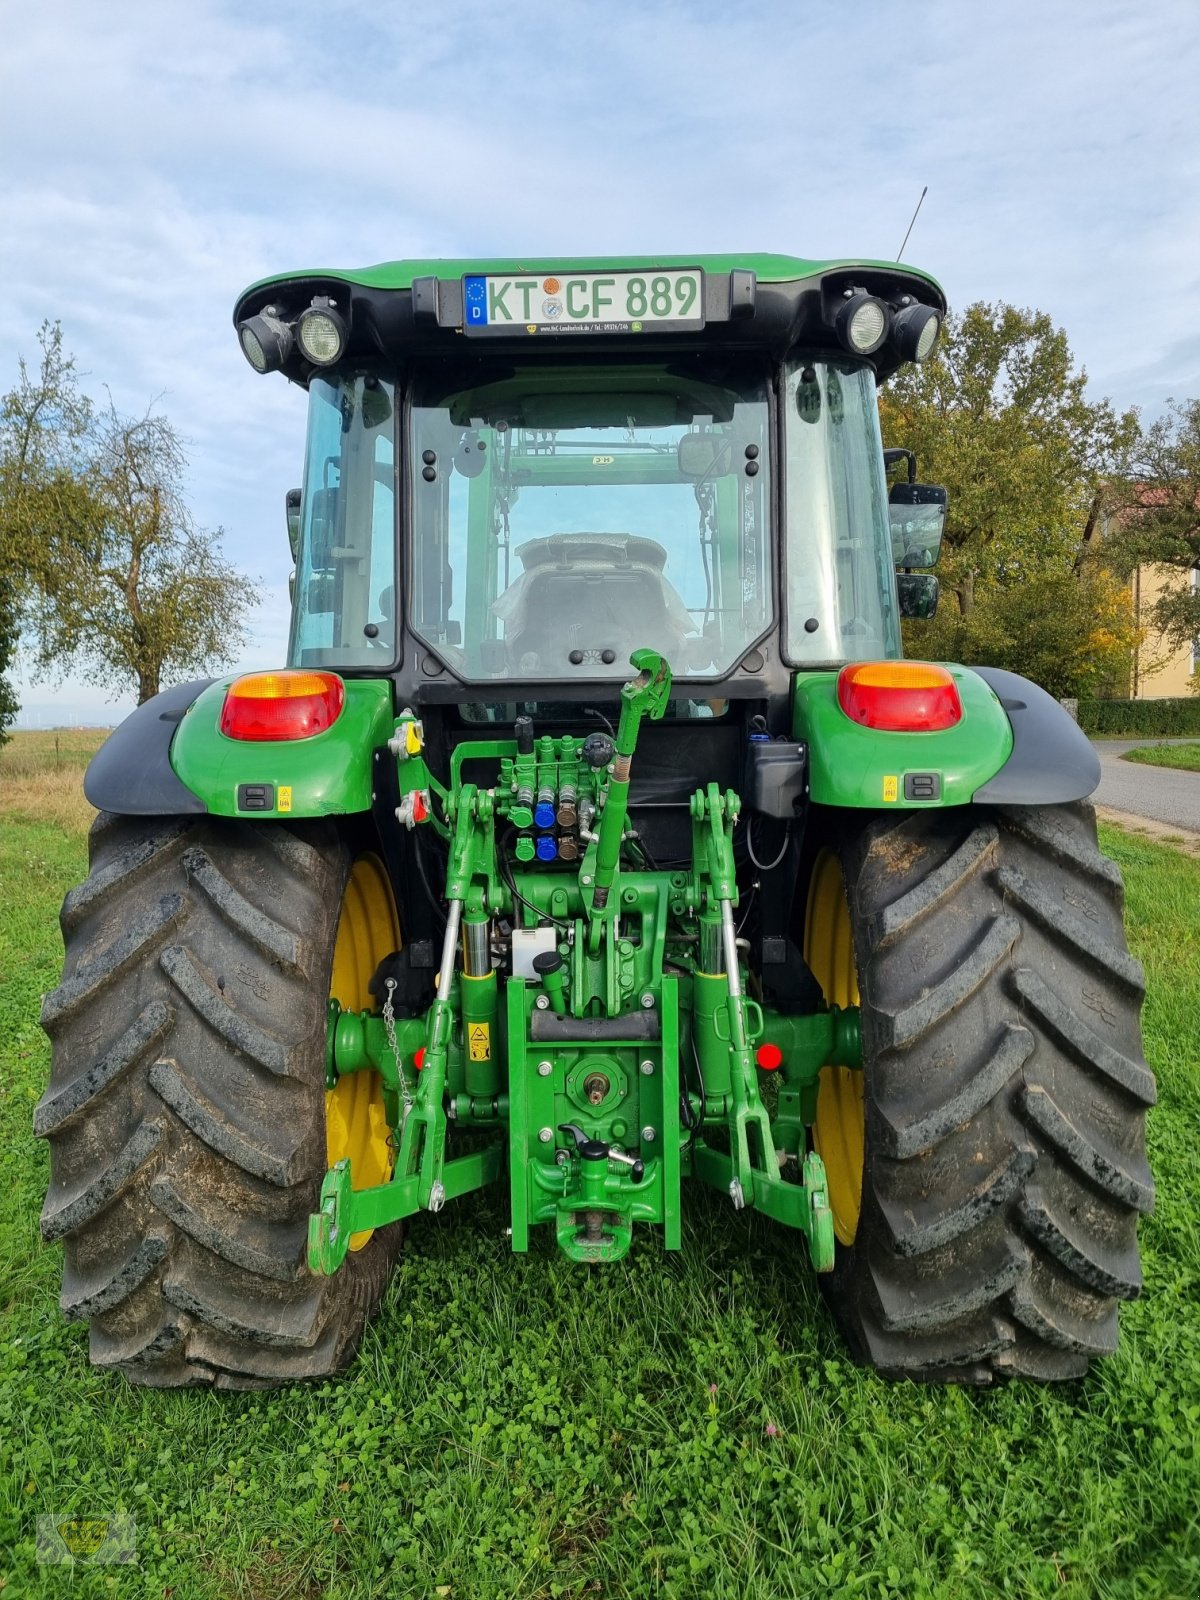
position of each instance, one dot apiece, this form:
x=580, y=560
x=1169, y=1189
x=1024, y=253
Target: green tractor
x=597, y=839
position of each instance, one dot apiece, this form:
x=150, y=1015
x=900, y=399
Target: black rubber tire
x=186, y=1106
x=1005, y=1089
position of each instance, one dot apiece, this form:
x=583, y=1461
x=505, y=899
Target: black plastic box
x=776, y=778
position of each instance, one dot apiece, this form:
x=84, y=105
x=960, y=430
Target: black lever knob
x=523, y=728
x=598, y=750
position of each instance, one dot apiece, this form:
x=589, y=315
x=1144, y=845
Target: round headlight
x=862, y=324
x=321, y=334
x=252, y=349
x=916, y=331
x=266, y=341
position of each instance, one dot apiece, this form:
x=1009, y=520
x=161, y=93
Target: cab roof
x=398, y=309
x=767, y=268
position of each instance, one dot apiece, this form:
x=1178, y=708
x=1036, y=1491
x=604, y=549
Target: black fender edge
x=1052, y=759
x=131, y=773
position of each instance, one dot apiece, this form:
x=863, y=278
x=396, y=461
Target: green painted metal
x=327, y=775
x=821, y=1241
x=860, y=767
x=345, y=1211
x=644, y=696
x=769, y=268
x=358, y=1041
x=588, y=1045
x=808, y=1043
x=615, y=1048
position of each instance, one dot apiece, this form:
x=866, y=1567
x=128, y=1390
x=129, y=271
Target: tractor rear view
x=596, y=841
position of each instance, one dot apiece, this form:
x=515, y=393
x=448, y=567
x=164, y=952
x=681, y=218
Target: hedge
x=1137, y=719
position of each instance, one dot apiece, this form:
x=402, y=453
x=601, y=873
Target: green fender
x=327, y=775
x=858, y=767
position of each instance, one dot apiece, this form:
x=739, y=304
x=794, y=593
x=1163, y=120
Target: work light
x=862, y=323
x=266, y=341
x=321, y=333
x=915, y=331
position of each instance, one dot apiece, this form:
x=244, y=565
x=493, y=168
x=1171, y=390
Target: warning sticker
x=479, y=1041
x=891, y=786
x=283, y=797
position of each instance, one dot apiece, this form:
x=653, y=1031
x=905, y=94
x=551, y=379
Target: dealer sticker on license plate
x=584, y=302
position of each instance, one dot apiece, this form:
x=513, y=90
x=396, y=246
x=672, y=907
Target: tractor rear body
x=644, y=858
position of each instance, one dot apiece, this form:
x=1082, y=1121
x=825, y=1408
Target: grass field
x=40, y=776
x=1184, y=756
x=684, y=1427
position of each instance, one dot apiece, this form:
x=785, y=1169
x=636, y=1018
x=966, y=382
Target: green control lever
x=645, y=695
x=549, y=968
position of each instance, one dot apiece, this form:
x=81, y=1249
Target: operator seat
x=590, y=592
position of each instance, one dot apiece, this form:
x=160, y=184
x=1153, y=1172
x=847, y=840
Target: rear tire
x=186, y=1106
x=1005, y=1096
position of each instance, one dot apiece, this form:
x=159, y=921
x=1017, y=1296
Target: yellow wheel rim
x=355, y=1125
x=838, y=1133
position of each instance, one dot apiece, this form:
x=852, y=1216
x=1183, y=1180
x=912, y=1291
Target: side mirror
x=917, y=593
x=917, y=519
x=705, y=455
x=893, y=458
x=291, y=505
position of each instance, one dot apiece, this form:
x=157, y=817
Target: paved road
x=1159, y=793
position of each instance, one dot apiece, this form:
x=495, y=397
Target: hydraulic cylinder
x=710, y=1000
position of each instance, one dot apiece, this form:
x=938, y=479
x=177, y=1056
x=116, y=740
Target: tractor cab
x=695, y=466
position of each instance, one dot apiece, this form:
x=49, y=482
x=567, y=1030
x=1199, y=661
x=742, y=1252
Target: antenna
x=911, y=225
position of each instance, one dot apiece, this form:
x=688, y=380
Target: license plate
x=584, y=302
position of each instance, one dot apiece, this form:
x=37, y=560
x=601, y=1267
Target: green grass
x=685, y=1426
x=1184, y=756
x=59, y=750
x=41, y=776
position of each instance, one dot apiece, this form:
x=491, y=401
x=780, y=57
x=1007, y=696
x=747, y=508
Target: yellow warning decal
x=891, y=786
x=479, y=1041
x=283, y=797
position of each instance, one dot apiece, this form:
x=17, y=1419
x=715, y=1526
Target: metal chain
x=389, y=1027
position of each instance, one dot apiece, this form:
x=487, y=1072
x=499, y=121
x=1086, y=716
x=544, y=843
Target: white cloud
x=162, y=156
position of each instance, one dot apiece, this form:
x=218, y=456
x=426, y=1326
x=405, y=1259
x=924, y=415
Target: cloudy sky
x=158, y=156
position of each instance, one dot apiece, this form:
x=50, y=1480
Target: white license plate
x=584, y=302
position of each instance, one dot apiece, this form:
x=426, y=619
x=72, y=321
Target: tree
x=108, y=568
x=1156, y=519
x=9, y=629
x=1073, y=633
x=1001, y=417
x=42, y=421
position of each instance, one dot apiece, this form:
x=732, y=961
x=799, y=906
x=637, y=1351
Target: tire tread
x=1006, y=1096
x=185, y=1109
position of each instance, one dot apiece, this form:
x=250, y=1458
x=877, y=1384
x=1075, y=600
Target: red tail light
x=899, y=696
x=282, y=705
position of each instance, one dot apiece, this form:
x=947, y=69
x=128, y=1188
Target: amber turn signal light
x=282, y=705
x=899, y=696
